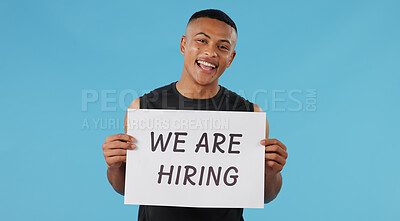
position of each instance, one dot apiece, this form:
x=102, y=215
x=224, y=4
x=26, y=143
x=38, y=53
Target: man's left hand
x=275, y=156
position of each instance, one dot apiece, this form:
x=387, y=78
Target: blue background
x=343, y=156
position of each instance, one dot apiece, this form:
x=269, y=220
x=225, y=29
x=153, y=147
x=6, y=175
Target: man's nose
x=210, y=50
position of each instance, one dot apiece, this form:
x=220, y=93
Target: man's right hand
x=115, y=147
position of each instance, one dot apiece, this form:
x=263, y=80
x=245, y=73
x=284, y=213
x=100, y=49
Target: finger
x=115, y=160
x=267, y=142
x=275, y=157
x=114, y=152
x=118, y=145
x=276, y=149
x=276, y=167
x=121, y=137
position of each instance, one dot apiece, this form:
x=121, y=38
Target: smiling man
x=208, y=47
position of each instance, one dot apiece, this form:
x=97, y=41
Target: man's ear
x=183, y=44
x=231, y=58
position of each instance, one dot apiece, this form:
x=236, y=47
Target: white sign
x=196, y=158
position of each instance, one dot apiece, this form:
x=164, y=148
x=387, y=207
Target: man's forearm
x=116, y=177
x=272, y=186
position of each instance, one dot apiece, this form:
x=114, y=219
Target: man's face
x=208, y=47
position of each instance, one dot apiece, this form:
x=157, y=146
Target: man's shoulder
x=237, y=101
x=231, y=95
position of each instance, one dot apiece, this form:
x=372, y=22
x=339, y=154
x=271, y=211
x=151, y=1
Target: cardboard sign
x=196, y=158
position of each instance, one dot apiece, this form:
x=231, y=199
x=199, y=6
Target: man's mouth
x=206, y=66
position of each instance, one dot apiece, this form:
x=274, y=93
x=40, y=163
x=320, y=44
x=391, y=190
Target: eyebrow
x=222, y=40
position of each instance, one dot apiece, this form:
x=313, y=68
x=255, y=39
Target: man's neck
x=195, y=91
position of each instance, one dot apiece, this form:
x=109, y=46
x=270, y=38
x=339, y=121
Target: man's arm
x=114, y=150
x=275, y=159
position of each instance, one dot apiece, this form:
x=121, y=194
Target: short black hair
x=215, y=14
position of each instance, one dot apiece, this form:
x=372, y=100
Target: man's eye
x=223, y=47
x=201, y=40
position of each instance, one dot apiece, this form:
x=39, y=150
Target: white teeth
x=206, y=64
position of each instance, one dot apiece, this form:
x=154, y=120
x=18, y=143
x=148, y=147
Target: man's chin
x=206, y=82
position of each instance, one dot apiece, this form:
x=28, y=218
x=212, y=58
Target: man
x=208, y=47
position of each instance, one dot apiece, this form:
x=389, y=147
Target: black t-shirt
x=168, y=97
